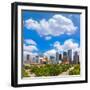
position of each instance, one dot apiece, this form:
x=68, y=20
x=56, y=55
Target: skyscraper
x=60, y=57
x=52, y=58
x=28, y=57
x=57, y=57
x=37, y=59
x=70, y=56
x=65, y=58
x=76, y=58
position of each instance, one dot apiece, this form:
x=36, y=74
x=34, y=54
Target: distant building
x=65, y=58
x=34, y=59
x=52, y=59
x=76, y=58
x=40, y=58
x=41, y=55
x=57, y=57
x=43, y=60
x=60, y=57
x=70, y=56
x=28, y=57
x=46, y=60
x=37, y=59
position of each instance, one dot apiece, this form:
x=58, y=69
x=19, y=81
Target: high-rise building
x=28, y=57
x=57, y=57
x=65, y=58
x=76, y=58
x=37, y=59
x=60, y=57
x=52, y=59
x=41, y=55
x=70, y=56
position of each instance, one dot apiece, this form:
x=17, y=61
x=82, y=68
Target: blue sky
x=39, y=29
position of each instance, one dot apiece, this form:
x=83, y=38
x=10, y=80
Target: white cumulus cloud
x=48, y=37
x=51, y=52
x=54, y=26
x=30, y=41
x=58, y=46
x=30, y=48
x=31, y=24
x=68, y=44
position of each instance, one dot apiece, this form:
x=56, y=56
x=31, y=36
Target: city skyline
x=67, y=57
x=48, y=32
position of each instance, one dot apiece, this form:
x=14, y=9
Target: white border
x=82, y=50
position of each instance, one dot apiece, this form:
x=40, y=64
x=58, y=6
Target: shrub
x=49, y=69
x=75, y=71
x=26, y=66
x=25, y=73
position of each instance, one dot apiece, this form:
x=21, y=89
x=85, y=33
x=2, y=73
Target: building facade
x=57, y=57
x=76, y=58
x=70, y=56
x=65, y=58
